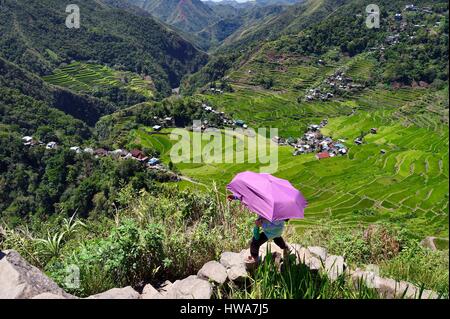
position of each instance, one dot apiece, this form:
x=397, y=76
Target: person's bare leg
x=282, y=244
x=254, y=247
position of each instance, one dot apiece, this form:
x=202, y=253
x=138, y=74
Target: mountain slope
x=187, y=15
x=35, y=37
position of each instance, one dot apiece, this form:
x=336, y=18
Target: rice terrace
x=210, y=149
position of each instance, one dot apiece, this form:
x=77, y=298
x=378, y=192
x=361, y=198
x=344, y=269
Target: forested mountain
x=88, y=118
x=319, y=28
x=35, y=37
x=187, y=15
x=208, y=24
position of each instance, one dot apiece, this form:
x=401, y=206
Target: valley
x=137, y=72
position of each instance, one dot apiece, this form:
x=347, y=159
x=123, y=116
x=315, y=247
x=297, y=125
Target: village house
x=89, y=150
x=101, y=152
x=153, y=161
x=27, y=140
x=119, y=153
x=30, y=141
x=410, y=7
x=323, y=155
x=75, y=149
x=51, y=145
x=139, y=155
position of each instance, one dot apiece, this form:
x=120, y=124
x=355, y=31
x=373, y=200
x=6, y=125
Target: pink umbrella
x=270, y=197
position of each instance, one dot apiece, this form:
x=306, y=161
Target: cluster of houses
x=223, y=118
x=136, y=154
x=162, y=122
x=30, y=141
x=313, y=141
x=339, y=81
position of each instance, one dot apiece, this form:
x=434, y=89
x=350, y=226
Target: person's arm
x=259, y=222
x=233, y=197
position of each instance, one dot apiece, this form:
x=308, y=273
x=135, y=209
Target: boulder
x=229, y=259
x=47, y=295
x=429, y=294
x=334, y=267
x=389, y=288
x=314, y=263
x=149, y=292
x=190, y=288
x=362, y=277
x=270, y=247
x=165, y=288
x=295, y=249
x=20, y=280
x=318, y=252
x=429, y=243
x=303, y=256
x=214, y=272
x=117, y=293
x=237, y=273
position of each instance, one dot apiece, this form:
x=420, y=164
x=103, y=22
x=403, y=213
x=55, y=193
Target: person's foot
x=251, y=263
x=286, y=253
x=251, y=260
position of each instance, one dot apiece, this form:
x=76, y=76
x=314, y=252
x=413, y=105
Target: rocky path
x=20, y=280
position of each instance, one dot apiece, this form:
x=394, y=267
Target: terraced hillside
x=281, y=103
x=93, y=78
x=406, y=186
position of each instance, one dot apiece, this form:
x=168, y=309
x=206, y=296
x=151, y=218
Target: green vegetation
x=120, y=87
x=298, y=282
x=152, y=236
x=124, y=224
x=110, y=35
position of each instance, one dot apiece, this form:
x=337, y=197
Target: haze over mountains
x=209, y=23
x=88, y=116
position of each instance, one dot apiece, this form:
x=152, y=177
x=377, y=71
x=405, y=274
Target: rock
x=237, y=273
x=389, y=288
x=229, y=259
x=20, y=280
x=429, y=243
x=47, y=295
x=406, y=290
x=361, y=277
x=429, y=294
x=318, y=252
x=213, y=271
x=295, y=249
x=165, y=288
x=315, y=263
x=335, y=266
x=270, y=247
x=117, y=293
x=303, y=256
x=386, y=287
x=149, y=292
x=190, y=288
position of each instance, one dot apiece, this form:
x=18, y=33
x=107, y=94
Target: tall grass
x=297, y=281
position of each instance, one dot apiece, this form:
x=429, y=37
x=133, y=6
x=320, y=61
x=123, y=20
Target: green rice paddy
x=87, y=78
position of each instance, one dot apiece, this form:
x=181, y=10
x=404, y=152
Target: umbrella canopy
x=270, y=197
